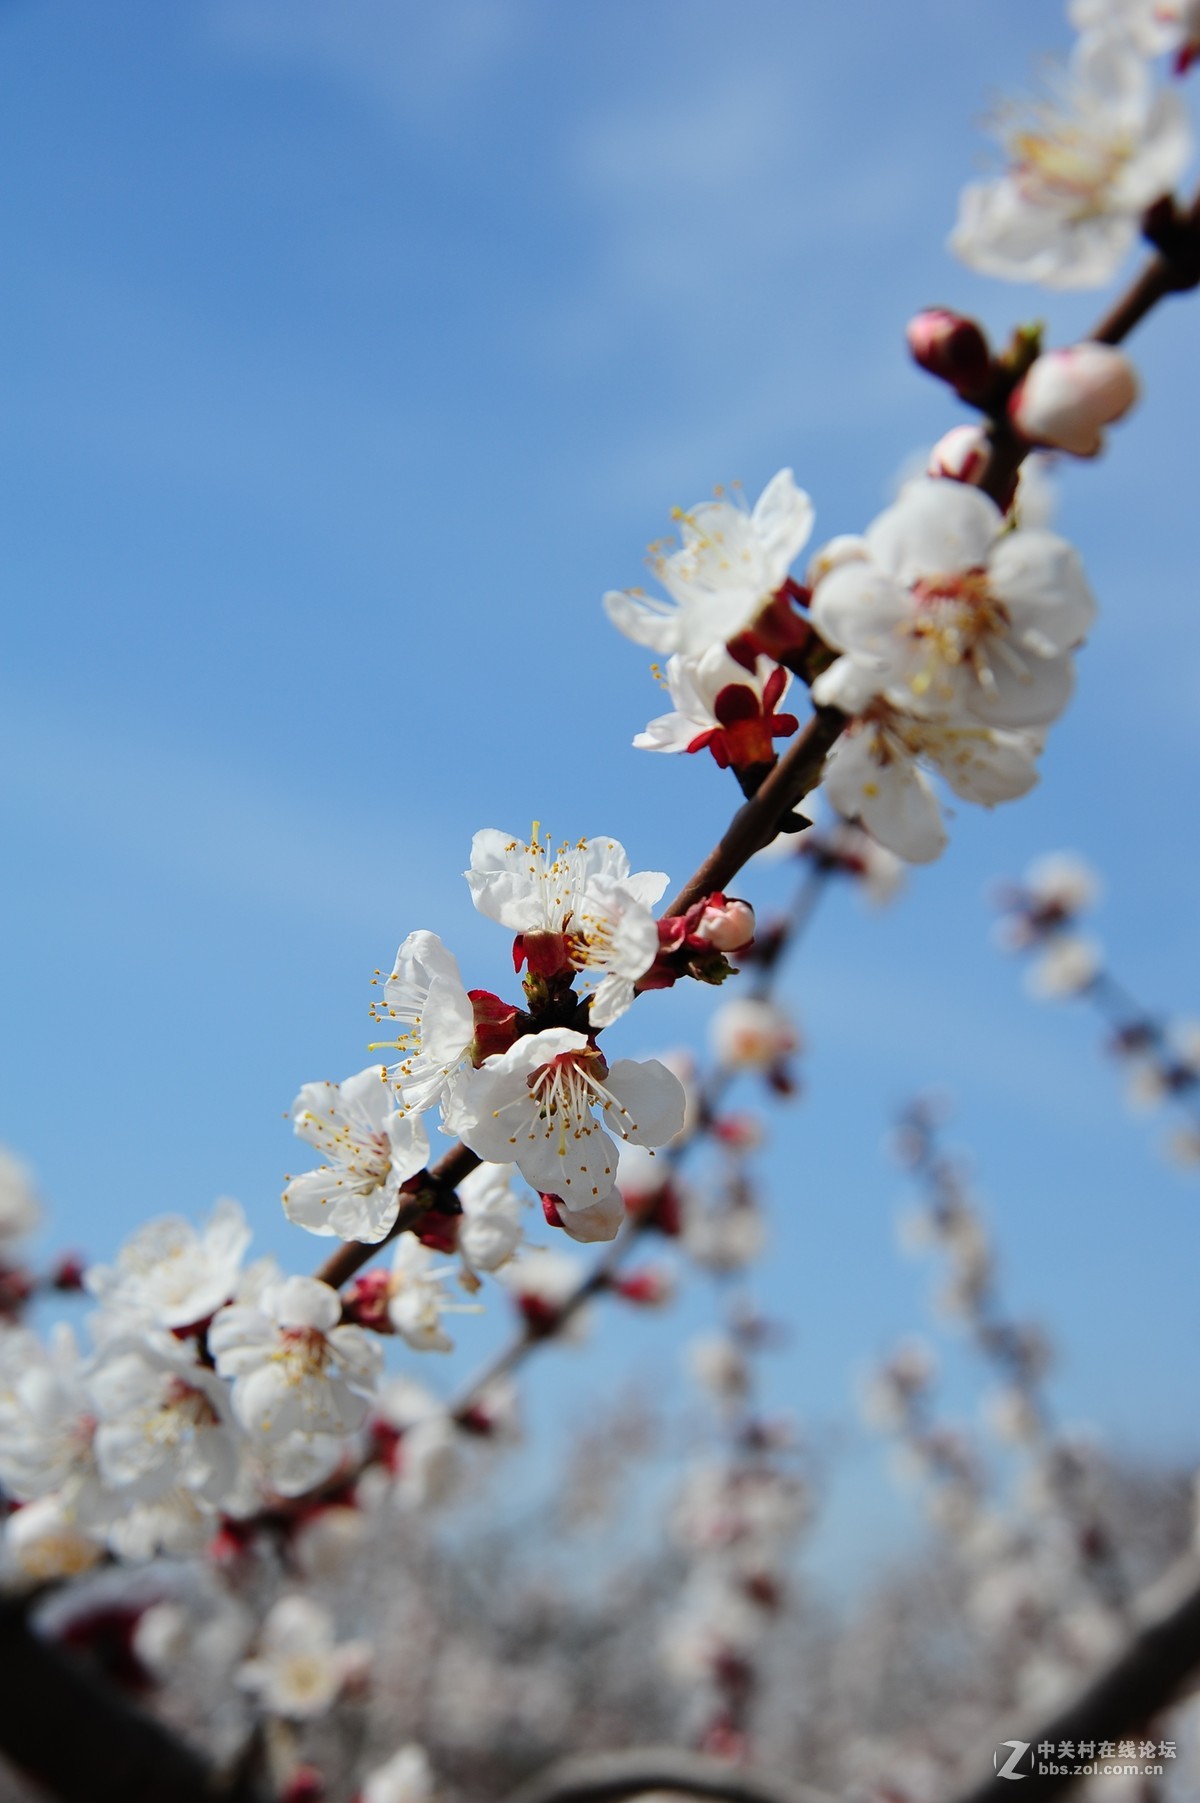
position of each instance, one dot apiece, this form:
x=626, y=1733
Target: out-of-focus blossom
x=874, y=775
x=961, y=455
x=1152, y=26
x=405, y=1778
x=299, y=1669
x=946, y=613
x=1067, y=965
x=752, y=1033
x=169, y=1275
x=1067, y=397
x=490, y=1229
x=20, y=1211
x=301, y=1382
x=1082, y=169
x=417, y=1299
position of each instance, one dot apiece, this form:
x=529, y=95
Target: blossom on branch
x=300, y=1381
x=550, y=1105
x=373, y=1148
x=723, y=707
x=945, y=613
x=1082, y=170
x=728, y=568
x=874, y=775
x=577, y=909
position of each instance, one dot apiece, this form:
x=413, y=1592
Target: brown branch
x=758, y=820
x=81, y=1739
x=1140, y=1683
x=609, y=1777
x=449, y=1171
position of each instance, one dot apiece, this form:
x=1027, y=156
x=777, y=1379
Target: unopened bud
x=649, y=1288
x=1068, y=396
x=950, y=347
x=962, y=455
x=725, y=923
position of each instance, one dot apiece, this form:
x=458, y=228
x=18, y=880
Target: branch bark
x=66, y=1728
x=1141, y=1682
x=609, y=1777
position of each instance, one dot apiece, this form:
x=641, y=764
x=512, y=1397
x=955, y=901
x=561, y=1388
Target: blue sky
x=353, y=350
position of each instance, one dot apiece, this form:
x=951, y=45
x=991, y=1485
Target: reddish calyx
x=438, y=1231
x=547, y=954
x=496, y=1024
x=365, y=1303
x=778, y=632
x=748, y=724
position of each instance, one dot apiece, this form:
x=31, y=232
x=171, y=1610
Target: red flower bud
x=950, y=347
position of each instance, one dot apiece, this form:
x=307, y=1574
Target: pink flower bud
x=725, y=924
x=950, y=347
x=1067, y=396
x=962, y=455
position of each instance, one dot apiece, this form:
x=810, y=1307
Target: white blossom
x=43, y=1542
x=1152, y=26
x=874, y=775
x=751, y=1033
x=372, y=1147
x=490, y=1229
x=301, y=1382
x=550, y=1103
x=583, y=895
x=299, y=1668
x=20, y=1211
x=425, y=993
x=47, y=1424
x=171, y=1276
x=1067, y=965
x=163, y=1423
x=947, y=614
x=729, y=564
x=405, y=1778
x=694, y=685
x=1082, y=168
x=416, y=1298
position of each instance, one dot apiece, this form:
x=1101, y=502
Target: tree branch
x=1140, y=1683
x=83, y=1740
x=609, y=1777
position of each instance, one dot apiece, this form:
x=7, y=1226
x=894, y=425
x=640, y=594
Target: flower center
x=1063, y=161
x=304, y=1353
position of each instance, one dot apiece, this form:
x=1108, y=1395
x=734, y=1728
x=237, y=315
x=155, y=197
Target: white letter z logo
x=1019, y=1749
